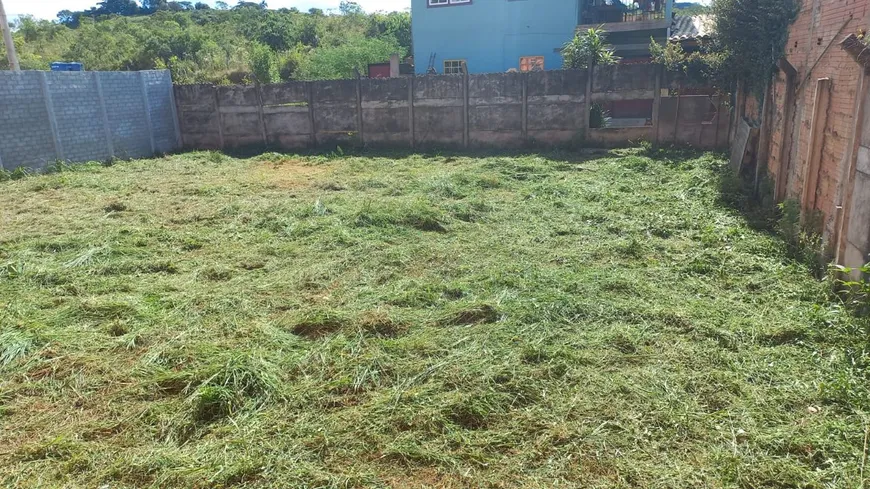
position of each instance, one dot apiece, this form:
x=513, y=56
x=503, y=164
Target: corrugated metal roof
x=686, y=28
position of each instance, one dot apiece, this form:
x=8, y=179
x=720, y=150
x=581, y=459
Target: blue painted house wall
x=492, y=35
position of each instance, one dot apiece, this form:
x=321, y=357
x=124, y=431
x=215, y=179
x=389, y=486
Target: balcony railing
x=617, y=12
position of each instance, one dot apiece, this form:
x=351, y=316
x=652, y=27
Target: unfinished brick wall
x=813, y=50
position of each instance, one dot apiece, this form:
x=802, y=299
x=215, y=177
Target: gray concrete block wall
x=125, y=110
x=80, y=128
x=82, y=116
x=162, y=107
x=25, y=132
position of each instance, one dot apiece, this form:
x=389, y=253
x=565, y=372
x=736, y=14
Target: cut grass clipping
x=535, y=321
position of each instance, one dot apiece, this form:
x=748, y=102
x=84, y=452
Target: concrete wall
x=814, y=53
x=82, y=116
x=500, y=109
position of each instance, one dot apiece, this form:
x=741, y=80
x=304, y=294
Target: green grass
x=534, y=321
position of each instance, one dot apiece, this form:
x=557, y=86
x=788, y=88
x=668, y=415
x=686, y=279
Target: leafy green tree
x=751, y=35
x=588, y=47
x=350, y=8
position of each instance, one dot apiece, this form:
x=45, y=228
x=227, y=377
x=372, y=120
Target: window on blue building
x=441, y=3
x=454, y=66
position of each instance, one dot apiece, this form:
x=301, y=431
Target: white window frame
x=446, y=3
x=460, y=64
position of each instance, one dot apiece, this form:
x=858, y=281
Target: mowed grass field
x=534, y=321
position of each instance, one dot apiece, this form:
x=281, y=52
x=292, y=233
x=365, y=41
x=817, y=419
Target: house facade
x=489, y=36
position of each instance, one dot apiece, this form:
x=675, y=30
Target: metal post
x=7, y=40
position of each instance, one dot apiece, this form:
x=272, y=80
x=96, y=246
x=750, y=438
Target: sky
x=48, y=9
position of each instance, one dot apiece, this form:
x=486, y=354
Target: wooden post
x=7, y=40
x=657, y=103
x=110, y=146
x=311, y=114
x=822, y=99
x=411, y=136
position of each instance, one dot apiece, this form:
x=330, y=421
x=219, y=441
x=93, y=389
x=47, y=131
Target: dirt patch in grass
x=476, y=314
x=287, y=173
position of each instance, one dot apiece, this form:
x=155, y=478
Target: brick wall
x=83, y=116
x=813, y=49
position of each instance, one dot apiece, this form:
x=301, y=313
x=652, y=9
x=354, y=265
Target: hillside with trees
x=198, y=43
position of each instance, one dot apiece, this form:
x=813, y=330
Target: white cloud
x=48, y=9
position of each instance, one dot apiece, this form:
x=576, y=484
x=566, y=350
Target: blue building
x=498, y=35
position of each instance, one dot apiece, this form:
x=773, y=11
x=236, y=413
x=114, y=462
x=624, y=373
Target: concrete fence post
x=587, y=99
x=657, y=103
x=260, y=115
x=310, y=86
x=411, y=136
x=174, y=106
x=465, y=131
x=110, y=146
x=359, y=117
x=147, y=104
x=52, y=120
x=220, y=121
x=677, y=113
x=524, y=80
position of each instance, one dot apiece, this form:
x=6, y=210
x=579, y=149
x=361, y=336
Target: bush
x=264, y=64
x=590, y=45
x=598, y=117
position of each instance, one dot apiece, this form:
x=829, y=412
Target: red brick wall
x=813, y=49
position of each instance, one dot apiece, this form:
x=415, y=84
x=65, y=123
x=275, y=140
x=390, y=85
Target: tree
x=349, y=8
x=221, y=5
x=752, y=36
x=202, y=6
x=151, y=6
x=589, y=46
x=119, y=7
x=69, y=18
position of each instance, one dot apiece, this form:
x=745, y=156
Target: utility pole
x=7, y=40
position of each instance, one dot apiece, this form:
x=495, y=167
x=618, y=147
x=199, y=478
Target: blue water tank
x=63, y=66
